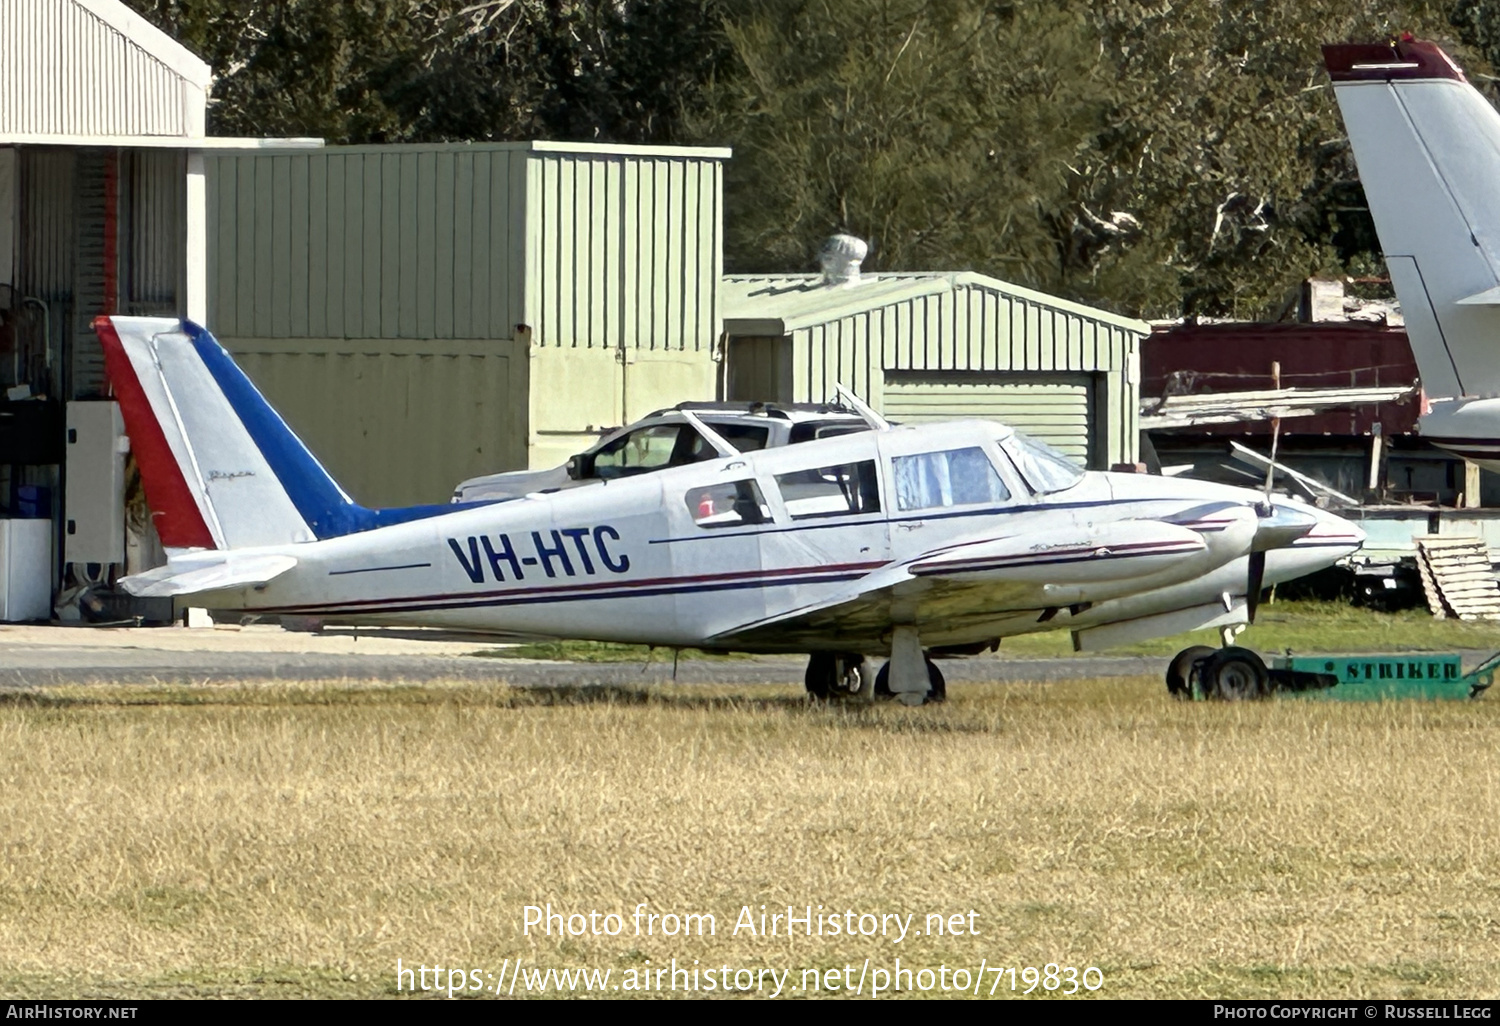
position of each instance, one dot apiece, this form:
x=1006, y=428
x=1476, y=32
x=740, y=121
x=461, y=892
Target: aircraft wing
x=207, y=571
x=980, y=580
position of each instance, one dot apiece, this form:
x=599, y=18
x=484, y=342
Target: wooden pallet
x=1457, y=577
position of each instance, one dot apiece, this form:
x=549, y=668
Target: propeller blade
x=1257, y=577
x=1271, y=464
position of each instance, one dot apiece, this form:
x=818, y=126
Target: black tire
x=838, y=675
x=1235, y=675
x=937, y=690
x=1180, y=670
x=819, y=678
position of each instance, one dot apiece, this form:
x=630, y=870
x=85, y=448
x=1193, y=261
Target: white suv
x=668, y=439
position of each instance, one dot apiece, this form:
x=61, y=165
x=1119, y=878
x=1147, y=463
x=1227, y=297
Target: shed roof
x=779, y=304
x=79, y=70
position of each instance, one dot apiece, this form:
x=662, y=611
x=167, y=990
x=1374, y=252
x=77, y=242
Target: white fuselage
x=639, y=559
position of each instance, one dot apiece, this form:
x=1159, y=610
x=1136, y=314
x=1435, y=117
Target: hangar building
x=931, y=346
x=102, y=186
x=423, y=314
x=426, y=313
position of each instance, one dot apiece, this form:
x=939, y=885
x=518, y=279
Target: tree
x=371, y=71
x=1157, y=158
x=936, y=129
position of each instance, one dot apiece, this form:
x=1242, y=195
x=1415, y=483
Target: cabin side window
x=953, y=477
x=831, y=491
x=728, y=504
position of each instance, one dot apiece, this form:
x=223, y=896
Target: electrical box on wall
x=94, y=520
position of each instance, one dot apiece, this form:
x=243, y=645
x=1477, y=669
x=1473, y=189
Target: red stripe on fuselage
x=178, y=520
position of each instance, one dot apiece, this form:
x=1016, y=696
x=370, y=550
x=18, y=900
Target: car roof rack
x=782, y=411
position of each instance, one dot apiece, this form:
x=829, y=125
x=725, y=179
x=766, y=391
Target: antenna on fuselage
x=859, y=406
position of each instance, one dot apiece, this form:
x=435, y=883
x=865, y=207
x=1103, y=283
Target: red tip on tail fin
x=178, y=519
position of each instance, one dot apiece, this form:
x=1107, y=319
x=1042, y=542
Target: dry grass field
x=291, y=842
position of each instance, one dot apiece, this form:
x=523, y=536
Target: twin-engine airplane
x=1428, y=148
x=909, y=541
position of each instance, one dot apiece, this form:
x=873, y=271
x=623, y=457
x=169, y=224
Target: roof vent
x=840, y=258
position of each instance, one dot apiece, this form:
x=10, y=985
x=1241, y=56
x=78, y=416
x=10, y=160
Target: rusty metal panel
x=1191, y=358
x=93, y=68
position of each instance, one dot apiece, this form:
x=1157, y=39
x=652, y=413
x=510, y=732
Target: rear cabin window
x=728, y=504
x=831, y=491
x=953, y=477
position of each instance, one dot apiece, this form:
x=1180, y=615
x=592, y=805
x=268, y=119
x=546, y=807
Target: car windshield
x=1044, y=468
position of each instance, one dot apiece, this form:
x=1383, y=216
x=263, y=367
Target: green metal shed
x=422, y=314
x=931, y=346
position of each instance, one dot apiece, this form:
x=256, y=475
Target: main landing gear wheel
x=1234, y=675
x=838, y=675
x=1180, y=670
x=937, y=687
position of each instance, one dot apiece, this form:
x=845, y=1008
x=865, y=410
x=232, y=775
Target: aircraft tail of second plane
x=1427, y=144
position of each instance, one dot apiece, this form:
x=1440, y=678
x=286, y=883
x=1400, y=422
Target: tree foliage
x=373, y=71
x=1157, y=157
x=1154, y=157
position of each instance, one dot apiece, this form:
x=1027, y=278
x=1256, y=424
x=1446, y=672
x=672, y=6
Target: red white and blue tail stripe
x=221, y=469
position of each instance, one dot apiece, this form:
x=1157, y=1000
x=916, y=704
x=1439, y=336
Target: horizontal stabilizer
x=1489, y=297
x=207, y=572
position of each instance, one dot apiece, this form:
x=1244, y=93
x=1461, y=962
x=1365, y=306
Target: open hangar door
x=1057, y=408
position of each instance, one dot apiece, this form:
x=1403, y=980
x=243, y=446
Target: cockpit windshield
x=1044, y=468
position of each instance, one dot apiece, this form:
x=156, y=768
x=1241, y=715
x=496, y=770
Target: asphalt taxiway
x=40, y=656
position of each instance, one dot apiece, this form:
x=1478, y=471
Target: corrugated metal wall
x=967, y=328
x=154, y=219
x=627, y=249
x=64, y=71
x=83, y=255
x=982, y=328
x=426, y=250
x=357, y=242
x=396, y=423
x=44, y=257
x=1060, y=409
x=588, y=249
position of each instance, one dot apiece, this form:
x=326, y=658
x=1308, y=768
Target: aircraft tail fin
x=1427, y=145
x=221, y=469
